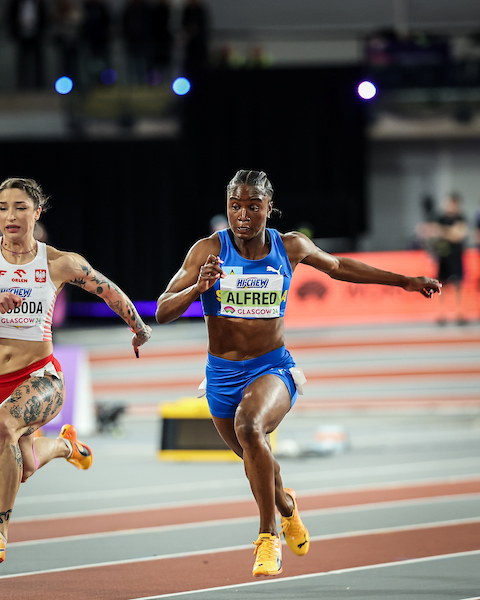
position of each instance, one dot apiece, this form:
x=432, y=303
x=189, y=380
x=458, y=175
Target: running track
x=398, y=517
x=169, y=574
x=386, y=367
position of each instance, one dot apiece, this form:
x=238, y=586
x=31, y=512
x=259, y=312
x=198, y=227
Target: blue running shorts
x=227, y=379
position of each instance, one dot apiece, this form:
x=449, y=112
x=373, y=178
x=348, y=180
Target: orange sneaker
x=3, y=550
x=81, y=455
x=295, y=533
x=268, y=552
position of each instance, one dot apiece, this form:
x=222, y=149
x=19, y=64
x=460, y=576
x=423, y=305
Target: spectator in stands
x=27, y=21
x=452, y=234
x=259, y=58
x=228, y=58
x=96, y=34
x=68, y=18
x=162, y=39
x=426, y=231
x=136, y=29
x=195, y=19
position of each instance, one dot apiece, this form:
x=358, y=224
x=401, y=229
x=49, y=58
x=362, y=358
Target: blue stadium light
x=108, y=76
x=64, y=85
x=181, y=86
x=367, y=90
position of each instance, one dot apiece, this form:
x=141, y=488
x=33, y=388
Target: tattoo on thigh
x=44, y=386
x=18, y=455
x=33, y=407
x=12, y=404
x=37, y=408
x=15, y=410
x=16, y=395
x=58, y=399
x=29, y=431
x=5, y=516
x=53, y=399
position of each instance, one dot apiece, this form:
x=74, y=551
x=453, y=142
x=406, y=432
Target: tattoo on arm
x=120, y=304
x=143, y=335
x=80, y=282
x=105, y=283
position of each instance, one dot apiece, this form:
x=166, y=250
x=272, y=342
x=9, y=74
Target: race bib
x=251, y=296
x=28, y=314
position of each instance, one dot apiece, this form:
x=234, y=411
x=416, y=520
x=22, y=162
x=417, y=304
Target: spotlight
x=64, y=85
x=181, y=86
x=366, y=90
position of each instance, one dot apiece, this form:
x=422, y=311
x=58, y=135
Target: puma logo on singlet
x=269, y=268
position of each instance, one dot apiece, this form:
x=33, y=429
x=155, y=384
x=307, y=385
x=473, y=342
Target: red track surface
x=211, y=569
x=304, y=344
x=170, y=575
x=441, y=371
x=464, y=371
x=137, y=519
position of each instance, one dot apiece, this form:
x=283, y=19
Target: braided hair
x=256, y=179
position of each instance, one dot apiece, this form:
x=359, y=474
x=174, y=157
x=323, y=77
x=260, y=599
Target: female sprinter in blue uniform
x=242, y=275
x=31, y=379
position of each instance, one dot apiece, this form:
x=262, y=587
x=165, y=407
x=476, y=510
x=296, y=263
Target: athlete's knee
x=30, y=461
x=28, y=471
x=30, y=465
x=276, y=468
x=249, y=433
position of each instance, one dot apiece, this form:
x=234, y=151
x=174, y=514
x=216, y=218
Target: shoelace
x=265, y=549
x=292, y=525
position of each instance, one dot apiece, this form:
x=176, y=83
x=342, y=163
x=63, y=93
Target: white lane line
x=238, y=520
x=348, y=534
x=248, y=498
x=287, y=580
x=359, y=472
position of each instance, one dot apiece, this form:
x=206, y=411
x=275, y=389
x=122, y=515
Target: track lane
x=450, y=372
x=191, y=350
x=219, y=568
x=138, y=518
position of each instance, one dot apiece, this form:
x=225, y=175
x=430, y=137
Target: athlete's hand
x=9, y=301
x=426, y=286
x=140, y=338
x=209, y=273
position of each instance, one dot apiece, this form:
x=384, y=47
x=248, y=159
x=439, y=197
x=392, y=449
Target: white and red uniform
x=32, y=320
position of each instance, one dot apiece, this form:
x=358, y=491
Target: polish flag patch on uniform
x=40, y=275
